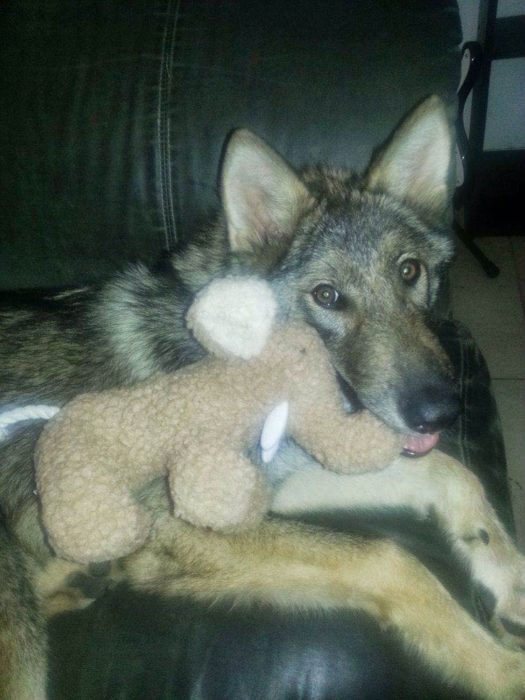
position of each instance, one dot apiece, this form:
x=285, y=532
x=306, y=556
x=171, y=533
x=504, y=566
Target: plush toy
x=196, y=426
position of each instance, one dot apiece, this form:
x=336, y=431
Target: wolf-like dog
x=361, y=259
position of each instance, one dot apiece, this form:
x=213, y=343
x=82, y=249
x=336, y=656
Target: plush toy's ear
x=233, y=316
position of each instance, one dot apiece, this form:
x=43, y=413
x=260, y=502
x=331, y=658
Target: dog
x=360, y=258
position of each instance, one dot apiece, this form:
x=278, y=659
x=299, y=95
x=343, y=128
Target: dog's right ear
x=262, y=196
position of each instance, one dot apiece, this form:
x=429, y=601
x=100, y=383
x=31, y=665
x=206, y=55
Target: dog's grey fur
x=318, y=227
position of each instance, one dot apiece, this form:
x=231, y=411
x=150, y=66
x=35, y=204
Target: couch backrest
x=114, y=112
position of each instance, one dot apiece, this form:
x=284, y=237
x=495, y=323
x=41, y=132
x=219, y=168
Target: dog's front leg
x=435, y=484
x=298, y=567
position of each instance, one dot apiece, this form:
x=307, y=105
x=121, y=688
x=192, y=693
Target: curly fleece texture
x=195, y=426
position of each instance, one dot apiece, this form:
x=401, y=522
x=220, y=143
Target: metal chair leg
x=490, y=269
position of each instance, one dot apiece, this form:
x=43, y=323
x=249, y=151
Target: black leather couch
x=113, y=117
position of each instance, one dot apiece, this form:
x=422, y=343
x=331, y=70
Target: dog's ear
x=262, y=196
x=415, y=163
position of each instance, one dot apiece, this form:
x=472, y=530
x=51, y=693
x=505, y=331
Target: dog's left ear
x=414, y=166
x=263, y=197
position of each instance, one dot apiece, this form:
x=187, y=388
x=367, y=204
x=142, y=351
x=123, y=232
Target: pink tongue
x=421, y=443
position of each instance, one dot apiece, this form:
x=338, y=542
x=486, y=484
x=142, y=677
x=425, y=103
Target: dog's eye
x=410, y=271
x=325, y=295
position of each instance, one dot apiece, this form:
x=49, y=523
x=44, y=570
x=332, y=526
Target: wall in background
x=505, y=128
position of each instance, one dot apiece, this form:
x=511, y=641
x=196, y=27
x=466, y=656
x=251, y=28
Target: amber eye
x=410, y=271
x=325, y=295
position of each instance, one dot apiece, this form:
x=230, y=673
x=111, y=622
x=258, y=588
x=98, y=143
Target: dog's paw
x=94, y=580
x=504, y=602
x=65, y=586
x=509, y=613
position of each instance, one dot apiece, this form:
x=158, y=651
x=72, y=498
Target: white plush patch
x=233, y=316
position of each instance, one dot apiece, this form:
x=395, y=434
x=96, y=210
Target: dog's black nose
x=430, y=408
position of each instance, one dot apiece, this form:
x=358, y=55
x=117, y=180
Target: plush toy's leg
x=294, y=566
x=435, y=484
x=217, y=488
x=107, y=525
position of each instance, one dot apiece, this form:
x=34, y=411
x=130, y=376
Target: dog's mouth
x=417, y=445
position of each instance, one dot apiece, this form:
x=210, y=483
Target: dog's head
x=361, y=258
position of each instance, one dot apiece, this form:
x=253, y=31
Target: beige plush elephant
x=195, y=426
